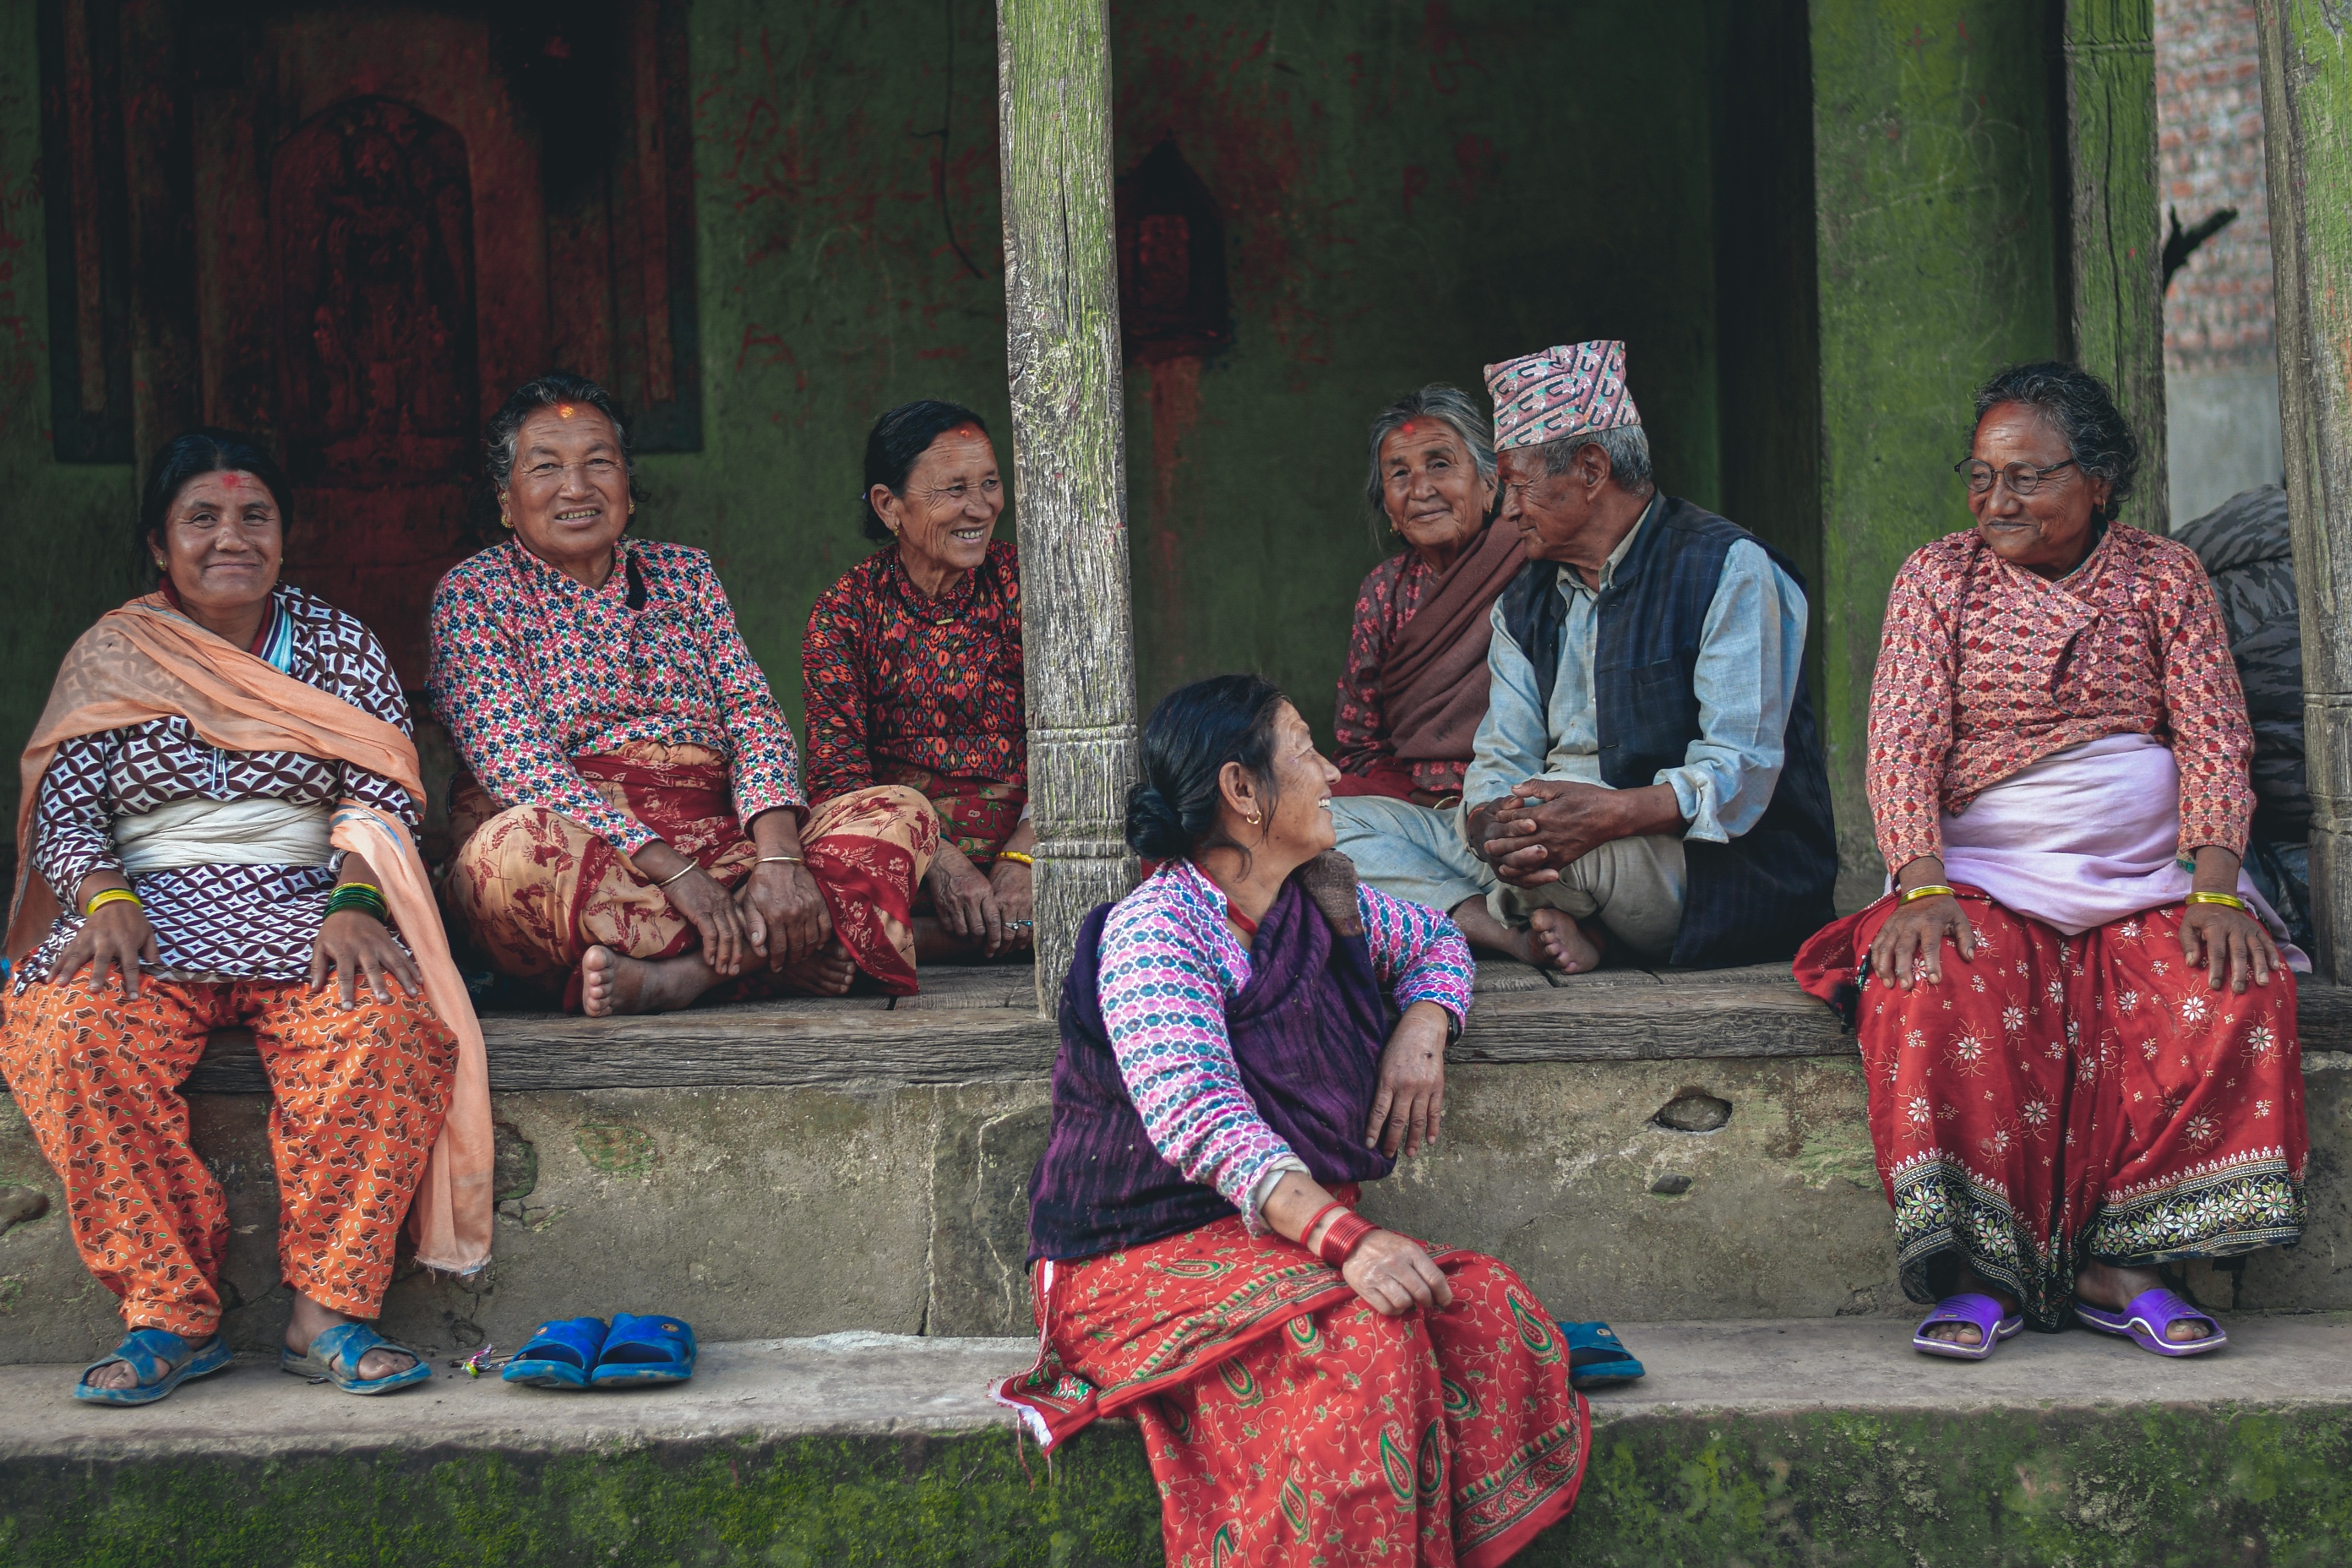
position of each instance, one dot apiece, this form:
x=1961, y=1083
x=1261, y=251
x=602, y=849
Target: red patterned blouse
x=1985, y=668
x=899, y=688
x=1390, y=596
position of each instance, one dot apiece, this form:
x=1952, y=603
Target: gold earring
x=505, y=521
x=1253, y=819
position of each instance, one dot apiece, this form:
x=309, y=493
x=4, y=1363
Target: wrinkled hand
x=726, y=938
x=966, y=902
x=1411, y=1097
x=784, y=917
x=1393, y=1275
x=2217, y=936
x=116, y=937
x=1015, y=887
x=1910, y=946
x=351, y=945
x=1529, y=835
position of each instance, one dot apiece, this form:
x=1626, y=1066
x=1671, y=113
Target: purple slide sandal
x=2144, y=1324
x=1973, y=1308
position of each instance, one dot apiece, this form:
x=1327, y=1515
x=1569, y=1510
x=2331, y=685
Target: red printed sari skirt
x=2063, y=1099
x=1288, y=1423
x=976, y=816
x=537, y=890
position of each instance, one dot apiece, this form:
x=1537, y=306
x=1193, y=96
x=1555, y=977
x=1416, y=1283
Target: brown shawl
x=147, y=661
x=1433, y=680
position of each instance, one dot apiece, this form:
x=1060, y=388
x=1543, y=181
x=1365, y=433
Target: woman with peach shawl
x=217, y=832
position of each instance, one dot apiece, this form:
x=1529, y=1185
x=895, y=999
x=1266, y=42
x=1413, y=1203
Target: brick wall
x=2208, y=107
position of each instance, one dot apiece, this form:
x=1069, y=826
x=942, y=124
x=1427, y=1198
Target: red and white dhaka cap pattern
x=1573, y=390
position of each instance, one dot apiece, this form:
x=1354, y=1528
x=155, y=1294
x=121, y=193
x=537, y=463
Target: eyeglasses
x=2022, y=478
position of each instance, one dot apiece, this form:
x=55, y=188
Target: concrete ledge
x=1761, y=1443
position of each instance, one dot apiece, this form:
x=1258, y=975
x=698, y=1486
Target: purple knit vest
x=1308, y=1031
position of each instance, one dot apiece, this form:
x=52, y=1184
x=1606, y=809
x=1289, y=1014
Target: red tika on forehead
x=565, y=411
x=1410, y=426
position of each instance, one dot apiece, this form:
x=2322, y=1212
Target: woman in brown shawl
x=1415, y=685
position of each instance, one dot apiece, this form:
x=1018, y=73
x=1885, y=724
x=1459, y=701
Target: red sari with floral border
x=1288, y=1423
x=2059, y=1099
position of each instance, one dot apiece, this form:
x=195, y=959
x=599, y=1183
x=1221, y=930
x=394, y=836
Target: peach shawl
x=147, y=661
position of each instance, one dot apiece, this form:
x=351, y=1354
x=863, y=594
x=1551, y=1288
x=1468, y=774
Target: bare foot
x=1561, y=943
x=122, y=1375
x=1484, y=933
x=2105, y=1285
x=1968, y=1334
x=310, y=1319
x=613, y=982
x=828, y=972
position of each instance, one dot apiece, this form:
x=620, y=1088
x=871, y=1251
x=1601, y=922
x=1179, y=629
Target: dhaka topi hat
x=1573, y=390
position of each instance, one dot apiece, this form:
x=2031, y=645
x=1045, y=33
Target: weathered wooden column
x=2307, y=120
x=1061, y=313
x=2114, y=246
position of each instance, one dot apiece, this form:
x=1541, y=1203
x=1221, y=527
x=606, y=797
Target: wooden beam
x=2308, y=117
x=2114, y=248
x=166, y=390
x=1061, y=311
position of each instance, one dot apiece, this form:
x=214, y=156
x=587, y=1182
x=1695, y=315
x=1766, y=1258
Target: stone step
x=1761, y=1443
x=1684, y=1146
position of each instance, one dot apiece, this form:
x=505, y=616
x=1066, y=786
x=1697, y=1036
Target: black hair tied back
x=192, y=456
x=1190, y=736
x=897, y=443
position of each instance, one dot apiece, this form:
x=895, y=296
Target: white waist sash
x=2084, y=836
x=225, y=833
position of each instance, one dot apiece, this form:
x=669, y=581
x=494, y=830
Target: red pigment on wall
x=1175, y=410
x=1416, y=182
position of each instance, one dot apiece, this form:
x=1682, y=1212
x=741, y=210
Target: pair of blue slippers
x=584, y=1352
x=1597, y=1357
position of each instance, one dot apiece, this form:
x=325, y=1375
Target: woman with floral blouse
x=2101, y=1074
x=912, y=673
x=633, y=828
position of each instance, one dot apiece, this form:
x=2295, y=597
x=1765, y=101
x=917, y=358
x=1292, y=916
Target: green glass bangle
x=360, y=896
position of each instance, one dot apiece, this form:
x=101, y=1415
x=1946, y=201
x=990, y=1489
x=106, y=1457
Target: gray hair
x=2079, y=406
x=1450, y=406
x=1627, y=447
x=549, y=391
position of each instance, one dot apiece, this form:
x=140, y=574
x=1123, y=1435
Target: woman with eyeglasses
x=631, y=830
x=2076, y=1013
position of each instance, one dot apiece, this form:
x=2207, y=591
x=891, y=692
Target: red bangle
x=1341, y=1239
x=1317, y=1218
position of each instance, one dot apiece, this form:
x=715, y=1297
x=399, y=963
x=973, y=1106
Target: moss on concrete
x=2123, y=1487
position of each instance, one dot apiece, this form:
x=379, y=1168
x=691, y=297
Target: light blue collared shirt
x=1751, y=653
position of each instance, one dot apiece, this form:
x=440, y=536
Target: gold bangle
x=1017, y=857
x=1926, y=890
x=110, y=896
x=2231, y=900
x=673, y=876
x=779, y=861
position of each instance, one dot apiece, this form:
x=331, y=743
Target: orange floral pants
x=358, y=1095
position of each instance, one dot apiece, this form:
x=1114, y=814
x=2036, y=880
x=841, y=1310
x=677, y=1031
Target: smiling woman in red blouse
x=637, y=835
x=2076, y=1014
x=912, y=673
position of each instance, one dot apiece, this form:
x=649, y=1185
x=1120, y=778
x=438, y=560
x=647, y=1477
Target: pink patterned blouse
x=1170, y=965
x=531, y=669
x=1390, y=596
x=1985, y=668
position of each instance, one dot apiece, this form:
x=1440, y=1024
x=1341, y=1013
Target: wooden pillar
x=166, y=392
x=2307, y=117
x=2114, y=248
x=1061, y=309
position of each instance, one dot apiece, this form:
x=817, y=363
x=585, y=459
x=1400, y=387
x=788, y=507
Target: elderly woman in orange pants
x=217, y=833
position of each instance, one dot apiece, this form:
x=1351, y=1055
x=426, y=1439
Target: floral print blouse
x=898, y=687
x=1170, y=965
x=531, y=669
x=1985, y=668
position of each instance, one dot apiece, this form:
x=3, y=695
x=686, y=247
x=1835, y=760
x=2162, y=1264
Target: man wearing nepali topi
x=1648, y=769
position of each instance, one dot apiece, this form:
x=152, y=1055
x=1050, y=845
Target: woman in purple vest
x=1245, y=1037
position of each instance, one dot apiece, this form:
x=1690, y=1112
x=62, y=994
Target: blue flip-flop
x=1596, y=1355
x=335, y=1355
x=642, y=1350
x=162, y=1360
x=559, y=1355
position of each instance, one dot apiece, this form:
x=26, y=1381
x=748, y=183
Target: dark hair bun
x=1154, y=830
x=1190, y=736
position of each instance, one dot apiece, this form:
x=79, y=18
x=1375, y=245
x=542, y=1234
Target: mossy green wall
x=1936, y=265
x=1410, y=190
